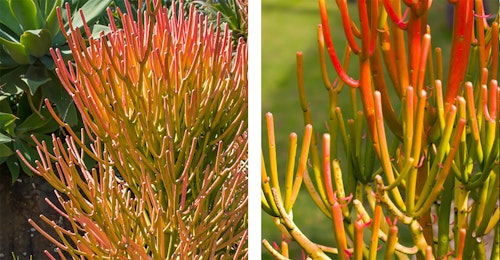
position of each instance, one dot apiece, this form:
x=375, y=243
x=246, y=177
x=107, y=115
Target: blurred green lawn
x=289, y=26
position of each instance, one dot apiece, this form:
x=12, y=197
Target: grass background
x=289, y=26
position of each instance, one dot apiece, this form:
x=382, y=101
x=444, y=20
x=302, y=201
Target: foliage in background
x=164, y=104
x=232, y=12
x=443, y=146
x=28, y=29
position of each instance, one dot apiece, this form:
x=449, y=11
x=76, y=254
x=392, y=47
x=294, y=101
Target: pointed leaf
x=6, y=119
x=16, y=51
x=48, y=62
x=8, y=19
x=98, y=28
x=14, y=169
x=36, y=42
x=66, y=110
x=11, y=82
x=5, y=151
x=35, y=122
x=8, y=35
x=35, y=77
x=4, y=139
x=46, y=6
x=5, y=104
x=26, y=13
x=51, y=22
x=92, y=10
x=5, y=60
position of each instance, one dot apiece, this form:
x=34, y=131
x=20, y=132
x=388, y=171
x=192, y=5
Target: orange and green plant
x=164, y=106
x=415, y=162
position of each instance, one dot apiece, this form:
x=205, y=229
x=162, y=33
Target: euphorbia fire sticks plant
x=443, y=160
x=164, y=104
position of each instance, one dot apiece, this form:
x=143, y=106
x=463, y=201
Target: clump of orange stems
x=164, y=105
x=443, y=159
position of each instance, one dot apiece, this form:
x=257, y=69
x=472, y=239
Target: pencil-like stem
x=462, y=29
x=331, y=49
x=441, y=147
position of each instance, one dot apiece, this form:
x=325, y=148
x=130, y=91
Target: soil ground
x=19, y=201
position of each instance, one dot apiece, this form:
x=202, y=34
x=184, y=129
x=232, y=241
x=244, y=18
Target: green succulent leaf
x=6, y=120
x=36, y=42
x=4, y=139
x=6, y=61
x=98, y=28
x=16, y=50
x=47, y=6
x=51, y=22
x=92, y=10
x=8, y=19
x=10, y=81
x=8, y=35
x=24, y=109
x=5, y=151
x=230, y=13
x=35, y=122
x=63, y=101
x=14, y=169
x=27, y=14
x=35, y=76
x=48, y=62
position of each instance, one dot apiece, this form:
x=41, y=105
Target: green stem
x=490, y=206
x=292, y=152
x=377, y=216
x=272, y=153
x=443, y=220
x=266, y=190
x=436, y=190
x=390, y=245
x=385, y=160
x=495, y=252
x=308, y=121
x=301, y=169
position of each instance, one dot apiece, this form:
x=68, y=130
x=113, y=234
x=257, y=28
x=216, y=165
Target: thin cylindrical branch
x=377, y=216
x=292, y=151
x=460, y=49
x=272, y=153
x=393, y=15
x=308, y=121
x=311, y=248
x=384, y=151
x=346, y=23
x=327, y=174
x=302, y=166
x=359, y=226
x=330, y=48
x=391, y=242
x=443, y=172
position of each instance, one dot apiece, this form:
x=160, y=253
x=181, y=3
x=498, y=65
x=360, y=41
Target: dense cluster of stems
x=438, y=158
x=159, y=169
